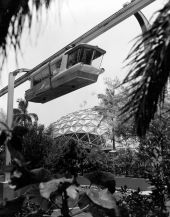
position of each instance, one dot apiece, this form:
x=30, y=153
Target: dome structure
x=84, y=125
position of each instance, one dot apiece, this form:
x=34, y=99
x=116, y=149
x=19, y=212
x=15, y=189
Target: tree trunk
x=113, y=139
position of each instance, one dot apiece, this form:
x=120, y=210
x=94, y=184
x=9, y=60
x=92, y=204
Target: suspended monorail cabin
x=76, y=68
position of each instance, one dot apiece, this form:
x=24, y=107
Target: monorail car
x=76, y=68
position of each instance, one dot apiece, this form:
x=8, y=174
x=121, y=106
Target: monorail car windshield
x=83, y=54
x=76, y=68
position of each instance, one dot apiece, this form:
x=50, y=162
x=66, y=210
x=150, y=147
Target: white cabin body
x=76, y=68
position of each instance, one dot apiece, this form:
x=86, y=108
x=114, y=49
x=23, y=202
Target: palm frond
x=16, y=111
x=17, y=118
x=34, y=116
x=13, y=16
x=22, y=105
x=150, y=71
x=27, y=119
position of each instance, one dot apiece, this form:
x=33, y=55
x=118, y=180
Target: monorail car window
x=45, y=73
x=83, y=55
x=36, y=79
x=42, y=75
x=97, y=59
x=97, y=54
x=55, y=66
x=73, y=58
x=86, y=55
x=58, y=65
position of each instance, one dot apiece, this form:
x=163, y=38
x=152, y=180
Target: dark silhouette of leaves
x=149, y=72
x=21, y=176
x=15, y=143
x=88, y=205
x=13, y=16
x=5, y=133
x=3, y=137
x=104, y=179
x=12, y=207
x=21, y=115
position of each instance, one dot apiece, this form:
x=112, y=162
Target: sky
x=66, y=21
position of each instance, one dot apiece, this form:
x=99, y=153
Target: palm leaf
x=22, y=105
x=91, y=205
x=13, y=16
x=35, y=116
x=17, y=118
x=101, y=178
x=149, y=73
x=27, y=119
x=21, y=176
x=16, y=111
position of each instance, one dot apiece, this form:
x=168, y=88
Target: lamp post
x=11, y=80
x=7, y=193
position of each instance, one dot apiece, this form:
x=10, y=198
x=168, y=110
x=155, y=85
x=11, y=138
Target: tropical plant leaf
x=72, y=191
x=104, y=179
x=96, y=210
x=34, y=196
x=21, y=115
x=12, y=207
x=16, y=111
x=21, y=176
x=47, y=188
x=35, y=116
x=13, y=16
x=102, y=198
x=15, y=142
x=149, y=72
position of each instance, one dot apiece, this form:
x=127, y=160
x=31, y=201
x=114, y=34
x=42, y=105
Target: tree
x=124, y=162
x=157, y=138
x=21, y=115
x=109, y=108
x=36, y=145
x=81, y=159
x=154, y=150
x=149, y=72
x=13, y=16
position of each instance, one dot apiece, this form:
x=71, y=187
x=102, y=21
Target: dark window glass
x=96, y=54
x=86, y=56
x=73, y=58
x=83, y=55
x=37, y=79
x=45, y=73
x=58, y=64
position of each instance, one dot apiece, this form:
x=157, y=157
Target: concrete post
x=9, y=193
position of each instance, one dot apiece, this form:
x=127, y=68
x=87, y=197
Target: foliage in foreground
x=57, y=192
x=13, y=16
x=139, y=205
x=45, y=192
x=149, y=72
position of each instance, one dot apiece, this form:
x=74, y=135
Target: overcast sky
x=67, y=20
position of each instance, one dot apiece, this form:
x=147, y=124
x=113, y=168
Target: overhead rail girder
x=99, y=29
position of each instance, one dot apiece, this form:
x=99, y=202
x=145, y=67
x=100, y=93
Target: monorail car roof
x=87, y=46
x=68, y=52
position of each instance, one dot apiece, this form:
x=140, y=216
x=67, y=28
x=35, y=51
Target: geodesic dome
x=84, y=125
